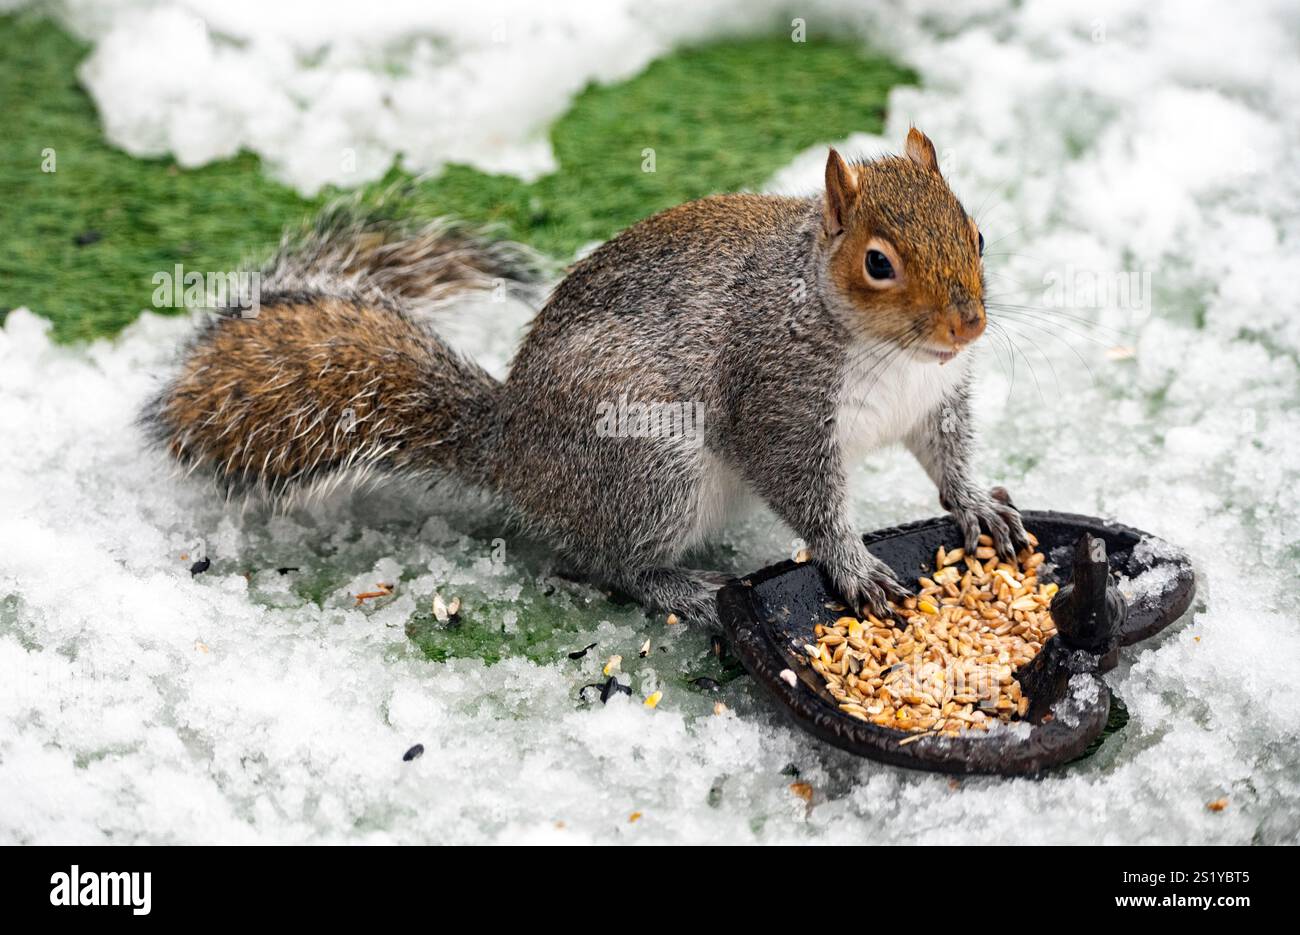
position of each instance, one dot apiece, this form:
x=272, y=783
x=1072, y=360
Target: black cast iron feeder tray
x=769, y=616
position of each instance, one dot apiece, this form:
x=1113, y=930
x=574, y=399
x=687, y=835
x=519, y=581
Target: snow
x=333, y=93
x=140, y=704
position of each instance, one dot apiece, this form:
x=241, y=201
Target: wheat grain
x=950, y=667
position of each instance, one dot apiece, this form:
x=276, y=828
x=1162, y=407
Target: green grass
x=720, y=118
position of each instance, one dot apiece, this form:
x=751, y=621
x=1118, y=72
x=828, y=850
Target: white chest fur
x=881, y=401
x=879, y=404
x=721, y=497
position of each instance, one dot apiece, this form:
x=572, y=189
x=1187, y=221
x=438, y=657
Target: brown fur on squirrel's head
x=904, y=255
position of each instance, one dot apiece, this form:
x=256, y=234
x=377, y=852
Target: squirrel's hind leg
x=687, y=592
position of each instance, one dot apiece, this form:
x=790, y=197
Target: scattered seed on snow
x=381, y=590
x=414, y=753
x=609, y=688
x=579, y=653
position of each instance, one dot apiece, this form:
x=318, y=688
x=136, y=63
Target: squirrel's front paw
x=865, y=582
x=993, y=512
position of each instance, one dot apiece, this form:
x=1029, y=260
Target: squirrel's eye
x=878, y=265
x=981, y=244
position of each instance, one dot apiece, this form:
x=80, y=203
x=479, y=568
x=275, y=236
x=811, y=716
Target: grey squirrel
x=806, y=331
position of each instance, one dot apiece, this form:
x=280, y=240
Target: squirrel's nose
x=964, y=325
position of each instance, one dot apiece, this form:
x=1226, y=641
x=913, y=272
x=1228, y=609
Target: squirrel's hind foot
x=687, y=592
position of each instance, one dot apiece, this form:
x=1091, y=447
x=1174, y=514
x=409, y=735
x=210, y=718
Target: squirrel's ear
x=921, y=151
x=841, y=192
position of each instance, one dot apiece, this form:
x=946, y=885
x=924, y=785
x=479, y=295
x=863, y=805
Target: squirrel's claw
x=864, y=581
x=874, y=598
x=894, y=594
x=1010, y=514
x=976, y=511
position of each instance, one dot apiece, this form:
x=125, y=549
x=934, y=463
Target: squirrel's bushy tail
x=371, y=249
x=336, y=373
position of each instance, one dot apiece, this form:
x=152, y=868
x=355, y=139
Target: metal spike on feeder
x=1089, y=611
